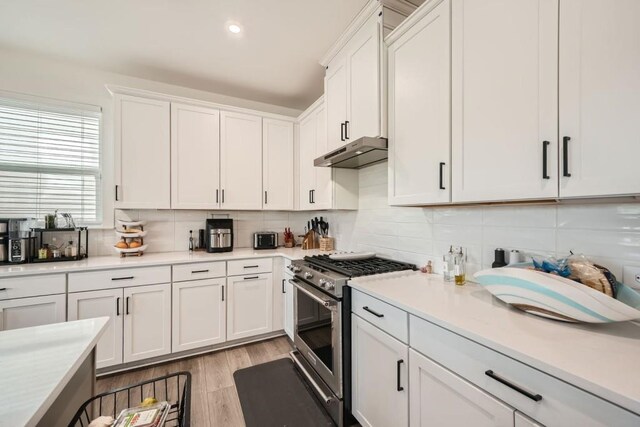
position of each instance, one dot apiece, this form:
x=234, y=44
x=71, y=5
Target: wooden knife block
x=310, y=241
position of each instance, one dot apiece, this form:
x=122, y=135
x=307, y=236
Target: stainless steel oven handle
x=326, y=398
x=326, y=303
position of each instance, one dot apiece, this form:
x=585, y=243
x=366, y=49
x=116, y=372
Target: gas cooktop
x=359, y=267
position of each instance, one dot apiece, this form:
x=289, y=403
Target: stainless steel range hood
x=355, y=155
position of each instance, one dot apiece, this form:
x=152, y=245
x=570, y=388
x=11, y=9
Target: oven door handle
x=326, y=303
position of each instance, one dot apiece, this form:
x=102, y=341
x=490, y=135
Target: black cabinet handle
x=3, y=289
x=223, y=195
x=127, y=306
x=222, y=292
x=265, y=197
x=565, y=156
x=310, y=197
x=399, y=387
x=346, y=129
x=251, y=266
x=283, y=290
x=365, y=308
x=342, y=127
x=122, y=278
x=545, y=173
x=251, y=277
x=535, y=397
x=442, y=176
x=118, y=306
x=217, y=195
x=199, y=271
x=313, y=196
x=116, y=192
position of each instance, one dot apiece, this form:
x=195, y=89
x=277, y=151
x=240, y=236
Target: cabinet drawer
x=118, y=278
x=249, y=266
x=390, y=319
x=32, y=286
x=560, y=403
x=201, y=270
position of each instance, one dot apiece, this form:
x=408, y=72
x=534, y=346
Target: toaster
x=265, y=240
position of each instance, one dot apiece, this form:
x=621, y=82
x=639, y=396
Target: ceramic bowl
x=555, y=297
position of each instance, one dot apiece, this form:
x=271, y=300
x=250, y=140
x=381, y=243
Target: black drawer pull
x=399, y=387
x=365, y=308
x=199, y=271
x=251, y=277
x=251, y=266
x=512, y=386
x=565, y=156
x=118, y=306
x=545, y=173
x=122, y=278
x=3, y=289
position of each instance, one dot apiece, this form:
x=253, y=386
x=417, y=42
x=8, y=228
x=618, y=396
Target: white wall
x=23, y=73
x=606, y=233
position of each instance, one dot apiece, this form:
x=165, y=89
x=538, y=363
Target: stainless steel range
x=322, y=322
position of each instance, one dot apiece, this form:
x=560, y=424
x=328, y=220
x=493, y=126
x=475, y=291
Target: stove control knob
x=322, y=283
x=308, y=275
x=330, y=286
x=294, y=268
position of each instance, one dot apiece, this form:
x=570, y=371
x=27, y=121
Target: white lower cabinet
x=249, y=305
x=438, y=397
x=147, y=322
x=522, y=420
x=379, y=376
x=33, y=311
x=199, y=314
x=106, y=303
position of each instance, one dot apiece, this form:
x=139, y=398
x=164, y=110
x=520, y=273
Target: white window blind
x=49, y=159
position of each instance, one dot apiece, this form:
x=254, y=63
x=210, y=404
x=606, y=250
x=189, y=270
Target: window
x=50, y=159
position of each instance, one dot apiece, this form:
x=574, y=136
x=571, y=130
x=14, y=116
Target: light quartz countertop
x=37, y=363
x=149, y=259
x=603, y=359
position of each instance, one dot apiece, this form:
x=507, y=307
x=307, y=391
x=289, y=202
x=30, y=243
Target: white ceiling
x=186, y=42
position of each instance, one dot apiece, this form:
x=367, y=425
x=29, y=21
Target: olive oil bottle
x=459, y=267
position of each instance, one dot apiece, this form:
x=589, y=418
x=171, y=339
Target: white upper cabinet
x=599, y=97
x=353, y=87
x=504, y=100
x=277, y=164
x=240, y=161
x=142, y=153
x=419, y=109
x=307, y=151
x=195, y=157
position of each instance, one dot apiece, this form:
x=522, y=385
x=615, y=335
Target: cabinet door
x=108, y=303
x=599, y=97
x=322, y=196
x=288, y=307
x=307, y=172
x=195, y=157
x=250, y=305
x=363, y=64
x=240, y=161
x=142, y=153
x=335, y=97
x=419, y=118
x=199, y=314
x=522, y=420
x=379, y=376
x=438, y=397
x=277, y=164
x=34, y=311
x=504, y=99
x=147, y=322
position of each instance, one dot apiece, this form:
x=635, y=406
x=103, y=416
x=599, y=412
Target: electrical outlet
x=631, y=276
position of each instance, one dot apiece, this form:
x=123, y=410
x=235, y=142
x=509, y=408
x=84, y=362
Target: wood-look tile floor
x=214, y=399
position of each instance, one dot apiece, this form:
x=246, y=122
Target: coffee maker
x=16, y=243
x=219, y=235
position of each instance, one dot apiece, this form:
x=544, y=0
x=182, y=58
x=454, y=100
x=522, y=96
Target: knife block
x=310, y=241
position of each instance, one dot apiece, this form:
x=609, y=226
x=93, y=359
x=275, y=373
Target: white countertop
x=603, y=359
x=149, y=259
x=37, y=363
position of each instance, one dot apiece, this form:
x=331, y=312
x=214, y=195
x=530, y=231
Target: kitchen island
x=47, y=372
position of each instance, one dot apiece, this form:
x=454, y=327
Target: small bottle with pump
x=190, y=240
x=447, y=265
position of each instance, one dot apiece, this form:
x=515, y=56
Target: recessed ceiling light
x=235, y=28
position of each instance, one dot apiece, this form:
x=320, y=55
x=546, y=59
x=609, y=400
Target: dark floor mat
x=274, y=395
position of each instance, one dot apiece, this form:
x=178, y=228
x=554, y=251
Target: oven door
x=317, y=332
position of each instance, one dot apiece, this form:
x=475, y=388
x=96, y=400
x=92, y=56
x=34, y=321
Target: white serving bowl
x=555, y=297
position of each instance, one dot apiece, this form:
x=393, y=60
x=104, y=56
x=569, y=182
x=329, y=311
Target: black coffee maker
x=219, y=235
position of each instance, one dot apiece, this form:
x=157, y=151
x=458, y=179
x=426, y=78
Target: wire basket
x=174, y=388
